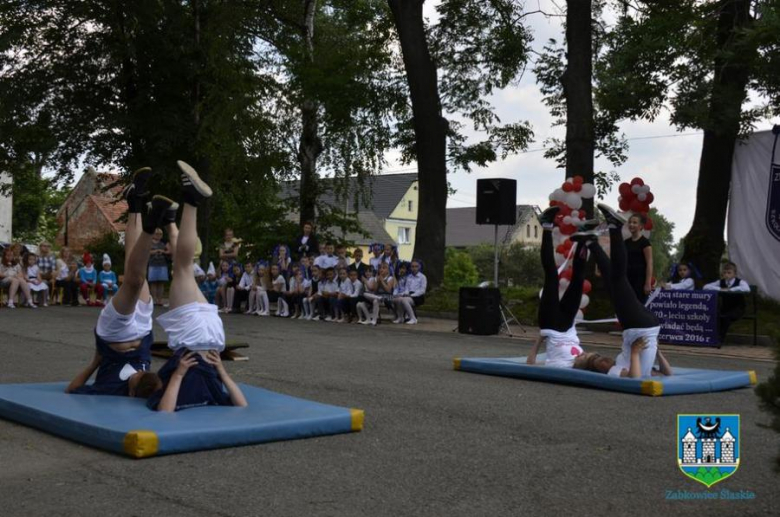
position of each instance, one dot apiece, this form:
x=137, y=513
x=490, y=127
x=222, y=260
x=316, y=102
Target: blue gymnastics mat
x=126, y=426
x=684, y=380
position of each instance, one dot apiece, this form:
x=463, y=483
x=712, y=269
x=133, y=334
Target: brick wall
x=85, y=225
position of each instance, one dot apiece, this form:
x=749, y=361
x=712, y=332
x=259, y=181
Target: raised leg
x=184, y=288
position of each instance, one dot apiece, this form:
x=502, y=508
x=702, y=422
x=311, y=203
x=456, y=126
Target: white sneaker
x=412, y=322
x=373, y=323
x=265, y=313
x=248, y=312
x=31, y=305
x=340, y=320
x=398, y=320
x=365, y=322
x=11, y=305
x=45, y=304
x=328, y=318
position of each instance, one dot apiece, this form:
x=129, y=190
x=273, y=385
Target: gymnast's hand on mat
x=187, y=361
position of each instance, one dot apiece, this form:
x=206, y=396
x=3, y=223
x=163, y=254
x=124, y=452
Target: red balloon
x=566, y=274
x=567, y=187
x=565, y=210
x=568, y=244
x=624, y=205
x=649, y=224
x=637, y=181
x=560, y=249
x=650, y=197
x=586, y=286
x=578, y=180
x=625, y=190
x=636, y=206
x=568, y=229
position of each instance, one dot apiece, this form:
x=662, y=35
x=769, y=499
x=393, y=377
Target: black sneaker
x=193, y=189
x=137, y=191
x=614, y=220
x=170, y=214
x=154, y=216
x=547, y=218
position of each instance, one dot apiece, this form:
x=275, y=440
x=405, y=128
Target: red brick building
x=92, y=210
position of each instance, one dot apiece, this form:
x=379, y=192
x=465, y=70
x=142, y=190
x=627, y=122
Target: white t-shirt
x=280, y=283
x=646, y=357
x=326, y=261
x=561, y=347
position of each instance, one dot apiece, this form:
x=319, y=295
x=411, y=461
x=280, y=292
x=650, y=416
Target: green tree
x=459, y=270
x=662, y=239
x=700, y=59
x=476, y=47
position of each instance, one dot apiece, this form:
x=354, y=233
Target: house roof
x=462, y=229
x=373, y=226
x=112, y=209
x=385, y=192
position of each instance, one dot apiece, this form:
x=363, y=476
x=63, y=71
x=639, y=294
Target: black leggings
x=631, y=313
x=555, y=314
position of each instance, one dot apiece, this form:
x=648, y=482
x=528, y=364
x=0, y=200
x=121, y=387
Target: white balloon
x=567, y=219
x=642, y=196
x=584, y=301
x=588, y=190
x=559, y=195
x=644, y=189
x=575, y=214
x=563, y=284
x=573, y=200
x=559, y=259
x=635, y=189
x=561, y=292
x=580, y=316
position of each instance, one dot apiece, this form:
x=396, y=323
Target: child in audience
x=210, y=284
x=732, y=300
x=682, y=278
x=279, y=287
x=311, y=301
x=88, y=283
x=305, y=266
x=369, y=286
x=108, y=279
x=354, y=296
x=374, y=261
x=400, y=291
x=341, y=257
x=64, y=279
x=357, y=263
x=281, y=257
x=243, y=287
x=343, y=297
x=328, y=290
x=11, y=277
x=295, y=293
x=261, y=288
x=34, y=279
x=158, y=267
x=384, y=291
x=225, y=280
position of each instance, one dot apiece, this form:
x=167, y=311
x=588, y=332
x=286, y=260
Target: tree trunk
x=577, y=89
x=704, y=243
x=310, y=145
x=430, y=129
x=202, y=162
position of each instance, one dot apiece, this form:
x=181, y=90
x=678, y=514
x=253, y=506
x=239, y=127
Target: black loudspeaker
x=479, y=311
x=496, y=201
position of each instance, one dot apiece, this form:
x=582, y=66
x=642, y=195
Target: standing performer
x=123, y=335
x=194, y=376
x=556, y=316
x=640, y=325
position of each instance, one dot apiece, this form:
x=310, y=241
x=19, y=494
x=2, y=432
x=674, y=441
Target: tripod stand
x=502, y=307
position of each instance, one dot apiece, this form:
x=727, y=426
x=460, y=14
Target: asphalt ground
x=435, y=442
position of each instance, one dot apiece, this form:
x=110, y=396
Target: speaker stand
x=495, y=257
x=506, y=321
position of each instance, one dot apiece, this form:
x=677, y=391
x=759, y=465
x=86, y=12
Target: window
x=411, y=205
x=528, y=230
x=536, y=232
x=404, y=235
